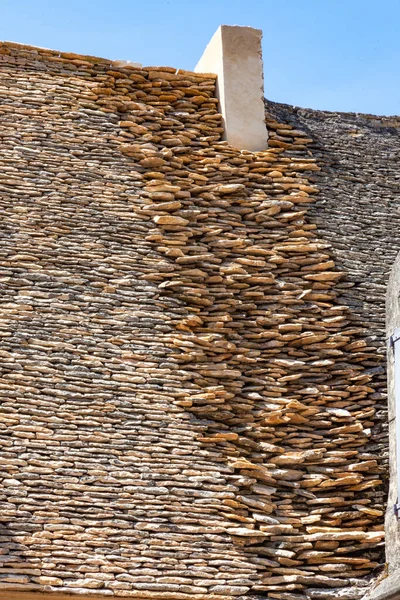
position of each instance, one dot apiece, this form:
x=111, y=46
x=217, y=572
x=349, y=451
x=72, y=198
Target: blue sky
x=329, y=54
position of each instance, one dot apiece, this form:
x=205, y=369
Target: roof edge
x=113, y=63
x=338, y=113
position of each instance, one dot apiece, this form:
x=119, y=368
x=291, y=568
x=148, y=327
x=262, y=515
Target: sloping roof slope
x=186, y=408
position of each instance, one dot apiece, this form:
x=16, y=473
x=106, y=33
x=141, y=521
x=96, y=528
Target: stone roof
x=188, y=394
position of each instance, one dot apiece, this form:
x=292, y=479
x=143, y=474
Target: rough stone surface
x=391, y=522
x=389, y=585
x=188, y=393
x=386, y=589
x=357, y=211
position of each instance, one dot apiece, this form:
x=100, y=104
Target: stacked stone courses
x=357, y=209
x=357, y=212
x=191, y=395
